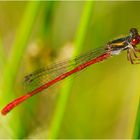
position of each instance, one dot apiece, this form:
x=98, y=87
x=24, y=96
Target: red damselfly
x=70, y=67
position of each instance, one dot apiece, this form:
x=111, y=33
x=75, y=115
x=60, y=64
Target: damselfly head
x=133, y=32
x=134, y=36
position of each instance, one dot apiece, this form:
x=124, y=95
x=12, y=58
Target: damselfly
x=62, y=70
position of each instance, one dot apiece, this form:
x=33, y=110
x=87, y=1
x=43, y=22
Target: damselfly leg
x=132, y=55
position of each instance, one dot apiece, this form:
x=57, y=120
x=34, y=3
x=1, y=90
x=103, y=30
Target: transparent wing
x=43, y=75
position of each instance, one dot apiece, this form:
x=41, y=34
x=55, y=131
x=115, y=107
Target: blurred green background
x=99, y=102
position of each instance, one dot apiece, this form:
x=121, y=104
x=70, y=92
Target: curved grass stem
x=66, y=89
x=19, y=46
x=13, y=61
x=136, y=134
x=2, y=55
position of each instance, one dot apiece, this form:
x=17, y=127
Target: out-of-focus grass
x=137, y=124
x=2, y=55
x=20, y=44
x=65, y=91
x=101, y=102
x=13, y=61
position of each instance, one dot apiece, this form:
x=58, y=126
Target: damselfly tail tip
x=5, y=110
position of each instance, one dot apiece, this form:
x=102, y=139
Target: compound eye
x=134, y=41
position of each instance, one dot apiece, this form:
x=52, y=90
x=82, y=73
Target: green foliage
x=137, y=124
x=99, y=102
x=66, y=90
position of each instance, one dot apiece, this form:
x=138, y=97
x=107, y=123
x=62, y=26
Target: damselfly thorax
x=126, y=43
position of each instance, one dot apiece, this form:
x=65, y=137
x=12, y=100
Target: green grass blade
x=2, y=55
x=65, y=91
x=20, y=44
x=136, y=134
x=13, y=63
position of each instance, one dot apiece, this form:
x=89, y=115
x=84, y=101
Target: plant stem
x=66, y=89
x=2, y=55
x=20, y=44
x=13, y=62
x=137, y=124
